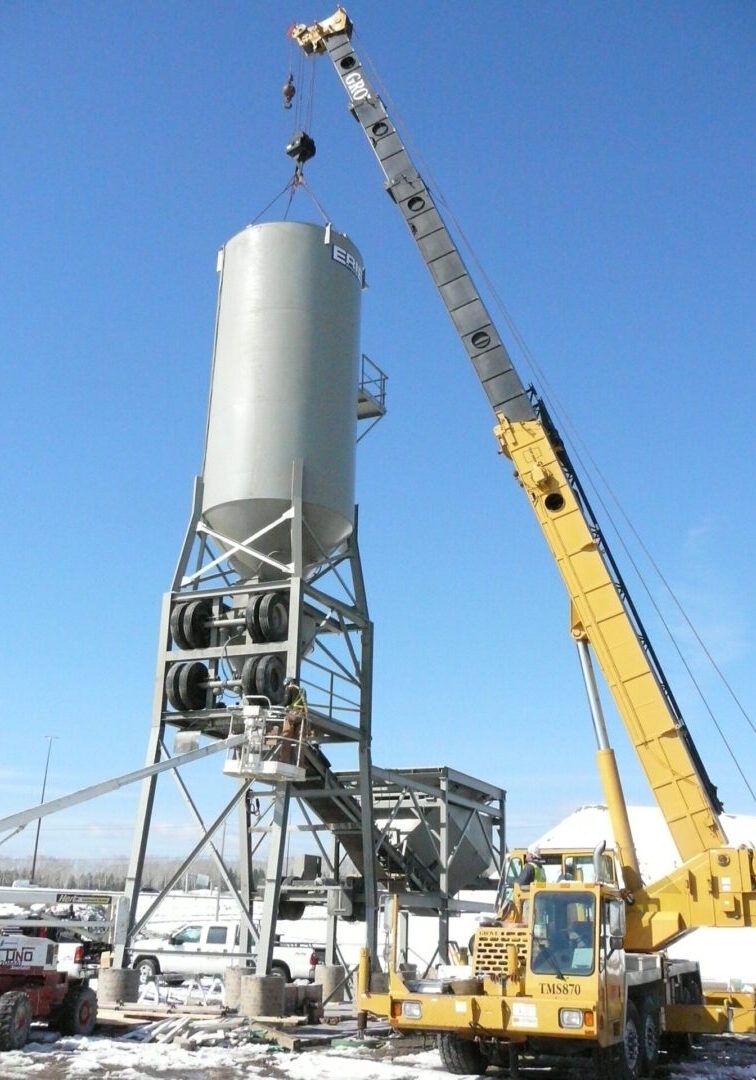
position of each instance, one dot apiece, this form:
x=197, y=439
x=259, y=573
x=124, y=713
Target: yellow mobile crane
x=576, y=965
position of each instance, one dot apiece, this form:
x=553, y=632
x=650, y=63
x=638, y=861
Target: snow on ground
x=119, y=1059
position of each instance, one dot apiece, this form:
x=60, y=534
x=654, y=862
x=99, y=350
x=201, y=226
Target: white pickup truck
x=208, y=947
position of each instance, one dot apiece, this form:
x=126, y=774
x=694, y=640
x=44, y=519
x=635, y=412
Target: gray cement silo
x=283, y=387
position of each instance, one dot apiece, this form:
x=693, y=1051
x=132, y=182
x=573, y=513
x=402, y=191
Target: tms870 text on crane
x=577, y=966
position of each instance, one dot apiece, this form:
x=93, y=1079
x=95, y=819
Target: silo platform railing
x=371, y=391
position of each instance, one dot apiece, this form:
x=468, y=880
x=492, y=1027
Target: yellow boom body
x=569, y=962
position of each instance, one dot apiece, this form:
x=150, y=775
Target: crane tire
x=631, y=1045
x=273, y=617
x=15, y=1020
x=650, y=1035
x=462, y=1057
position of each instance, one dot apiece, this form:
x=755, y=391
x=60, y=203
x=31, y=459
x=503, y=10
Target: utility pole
x=42, y=799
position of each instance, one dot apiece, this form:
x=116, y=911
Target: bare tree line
x=110, y=874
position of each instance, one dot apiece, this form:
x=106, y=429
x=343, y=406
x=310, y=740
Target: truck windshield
x=563, y=939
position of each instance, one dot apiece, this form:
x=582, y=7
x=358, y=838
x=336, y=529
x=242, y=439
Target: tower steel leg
x=366, y=799
x=332, y=923
x=147, y=793
x=443, y=877
x=245, y=870
x=273, y=874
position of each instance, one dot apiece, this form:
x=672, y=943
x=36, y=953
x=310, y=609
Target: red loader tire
x=15, y=1020
x=78, y=1013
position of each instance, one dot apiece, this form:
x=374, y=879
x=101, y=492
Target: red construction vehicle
x=32, y=988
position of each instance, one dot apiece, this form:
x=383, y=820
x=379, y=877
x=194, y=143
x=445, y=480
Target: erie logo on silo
x=341, y=255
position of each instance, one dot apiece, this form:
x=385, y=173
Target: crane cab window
x=563, y=934
x=580, y=868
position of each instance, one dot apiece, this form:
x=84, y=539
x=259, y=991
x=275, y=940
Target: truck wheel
x=279, y=968
x=78, y=1014
x=650, y=1034
x=15, y=1020
x=147, y=967
x=461, y=1056
x=631, y=1045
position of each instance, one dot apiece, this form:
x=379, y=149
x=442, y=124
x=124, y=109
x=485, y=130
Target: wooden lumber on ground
x=192, y=1028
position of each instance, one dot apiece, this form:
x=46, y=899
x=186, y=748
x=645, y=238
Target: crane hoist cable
x=274, y=200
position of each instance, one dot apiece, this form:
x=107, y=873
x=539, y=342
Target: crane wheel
x=15, y=1020
x=650, y=1036
x=632, y=1055
x=462, y=1057
x=273, y=616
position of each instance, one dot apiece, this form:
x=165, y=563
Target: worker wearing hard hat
x=532, y=869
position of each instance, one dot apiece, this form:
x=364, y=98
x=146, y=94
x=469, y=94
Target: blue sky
x=600, y=158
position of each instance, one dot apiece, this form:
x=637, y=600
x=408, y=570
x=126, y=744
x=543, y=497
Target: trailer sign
x=82, y=898
x=13, y=956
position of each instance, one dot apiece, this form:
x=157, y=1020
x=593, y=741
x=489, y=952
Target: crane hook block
x=301, y=147
x=288, y=91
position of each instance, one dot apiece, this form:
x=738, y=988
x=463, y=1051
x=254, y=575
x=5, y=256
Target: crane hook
x=288, y=91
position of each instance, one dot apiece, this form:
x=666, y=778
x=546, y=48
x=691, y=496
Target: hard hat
x=534, y=852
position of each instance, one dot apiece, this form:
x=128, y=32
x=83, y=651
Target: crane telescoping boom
x=579, y=963
x=602, y=613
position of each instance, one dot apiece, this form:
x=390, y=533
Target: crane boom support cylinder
x=594, y=701
x=615, y=801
